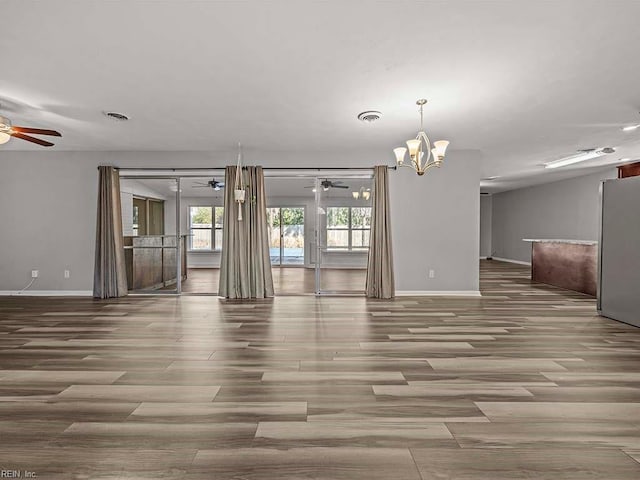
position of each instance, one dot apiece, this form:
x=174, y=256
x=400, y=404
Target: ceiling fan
x=213, y=183
x=326, y=184
x=7, y=131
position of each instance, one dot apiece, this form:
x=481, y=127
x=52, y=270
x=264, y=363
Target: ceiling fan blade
x=340, y=186
x=36, y=131
x=44, y=143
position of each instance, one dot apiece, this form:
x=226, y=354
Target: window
x=205, y=228
x=147, y=217
x=348, y=228
x=135, y=222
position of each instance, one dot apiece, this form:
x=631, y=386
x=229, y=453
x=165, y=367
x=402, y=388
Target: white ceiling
x=522, y=81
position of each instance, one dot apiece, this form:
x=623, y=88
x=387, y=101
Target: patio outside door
x=286, y=235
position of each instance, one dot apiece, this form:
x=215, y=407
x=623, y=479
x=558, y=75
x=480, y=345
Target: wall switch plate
x=34, y=273
x=432, y=274
x=67, y=274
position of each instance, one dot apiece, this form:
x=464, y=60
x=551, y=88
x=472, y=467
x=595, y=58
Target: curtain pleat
x=380, y=280
x=245, y=266
x=110, y=274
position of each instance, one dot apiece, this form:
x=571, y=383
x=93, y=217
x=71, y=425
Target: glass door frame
x=178, y=175
x=177, y=236
x=281, y=247
x=319, y=291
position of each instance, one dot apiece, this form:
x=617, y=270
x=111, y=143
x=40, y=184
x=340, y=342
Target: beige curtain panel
x=380, y=280
x=245, y=267
x=109, y=274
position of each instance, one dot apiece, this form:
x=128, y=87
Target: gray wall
x=435, y=226
x=486, y=213
x=620, y=256
x=48, y=204
x=566, y=209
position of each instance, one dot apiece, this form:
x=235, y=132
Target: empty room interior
x=320, y=240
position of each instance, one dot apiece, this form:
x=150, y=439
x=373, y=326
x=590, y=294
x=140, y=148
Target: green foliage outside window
x=201, y=215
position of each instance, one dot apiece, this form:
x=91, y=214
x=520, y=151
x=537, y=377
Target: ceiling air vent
x=369, y=116
x=121, y=117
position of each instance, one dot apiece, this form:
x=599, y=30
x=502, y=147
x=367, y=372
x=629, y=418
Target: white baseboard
x=508, y=260
x=46, y=293
x=438, y=293
x=484, y=258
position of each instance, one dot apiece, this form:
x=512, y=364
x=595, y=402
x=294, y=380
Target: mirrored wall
x=154, y=250
x=318, y=228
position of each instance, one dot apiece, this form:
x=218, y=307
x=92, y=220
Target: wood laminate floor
x=525, y=382
x=286, y=280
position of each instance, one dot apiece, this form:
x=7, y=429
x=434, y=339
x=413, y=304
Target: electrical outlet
x=432, y=274
x=34, y=273
x=67, y=274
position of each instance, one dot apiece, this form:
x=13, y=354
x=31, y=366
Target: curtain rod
x=390, y=167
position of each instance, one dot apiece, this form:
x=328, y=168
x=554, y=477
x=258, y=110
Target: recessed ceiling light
x=630, y=128
x=490, y=178
x=369, y=116
x=121, y=117
x=625, y=159
x=580, y=157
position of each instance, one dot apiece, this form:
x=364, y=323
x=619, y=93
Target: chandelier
x=422, y=156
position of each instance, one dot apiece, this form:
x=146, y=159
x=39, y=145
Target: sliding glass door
x=154, y=249
x=343, y=231
x=286, y=235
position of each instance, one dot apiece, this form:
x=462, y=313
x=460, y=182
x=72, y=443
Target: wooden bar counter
x=570, y=264
x=151, y=261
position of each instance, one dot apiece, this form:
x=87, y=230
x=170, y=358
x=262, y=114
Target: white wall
x=128, y=189
x=486, y=213
x=566, y=209
x=48, y=207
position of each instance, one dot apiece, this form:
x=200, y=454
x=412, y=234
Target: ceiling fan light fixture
x=7, y=130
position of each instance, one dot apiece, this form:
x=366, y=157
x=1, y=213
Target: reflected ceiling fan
x=7, y=131
x=327, y=184
x=213, y=183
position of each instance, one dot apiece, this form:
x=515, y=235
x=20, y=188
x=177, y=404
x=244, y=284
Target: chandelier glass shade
x=422, y=155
